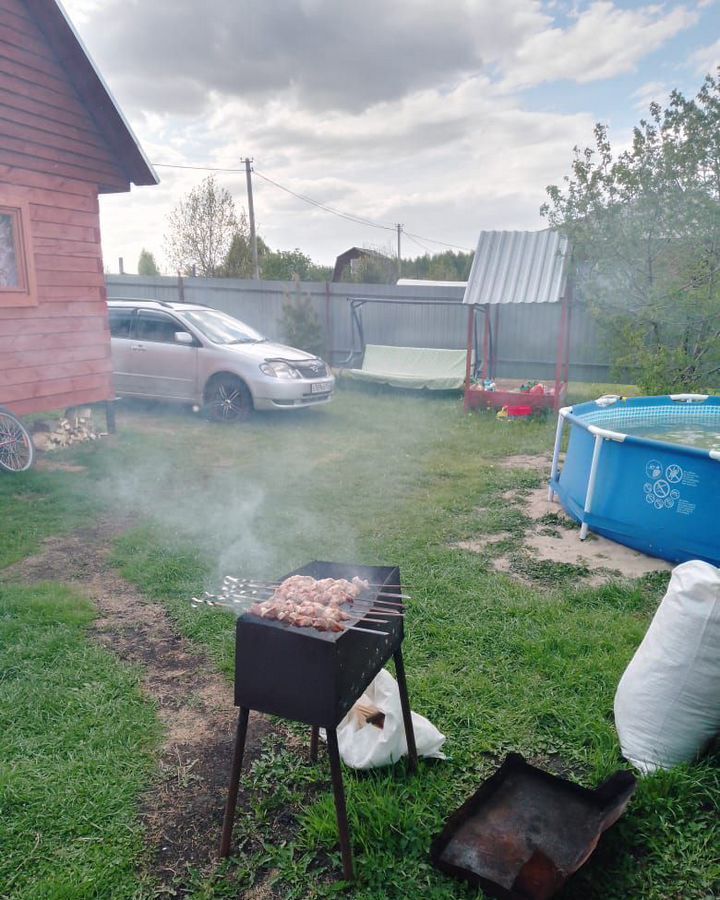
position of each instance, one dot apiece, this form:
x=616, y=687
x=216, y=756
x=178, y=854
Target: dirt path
x=183, y=810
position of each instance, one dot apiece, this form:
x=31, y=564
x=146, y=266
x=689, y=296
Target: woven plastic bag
x=667, y=705
x=364, y=745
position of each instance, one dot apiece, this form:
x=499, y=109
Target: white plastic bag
x=667, y=705
x=365, y=746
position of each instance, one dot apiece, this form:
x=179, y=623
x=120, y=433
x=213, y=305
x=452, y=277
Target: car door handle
x=138, y=347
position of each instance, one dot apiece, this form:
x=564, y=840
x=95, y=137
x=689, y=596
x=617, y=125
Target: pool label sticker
x=661, y=493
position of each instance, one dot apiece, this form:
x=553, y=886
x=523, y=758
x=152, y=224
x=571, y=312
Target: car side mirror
x=183, y=337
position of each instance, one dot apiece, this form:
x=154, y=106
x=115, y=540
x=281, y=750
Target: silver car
x=194, y=354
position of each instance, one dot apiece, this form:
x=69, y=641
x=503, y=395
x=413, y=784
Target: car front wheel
x=227, y=399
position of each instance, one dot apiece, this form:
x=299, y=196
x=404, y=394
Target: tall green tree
x=147, y=264
x=201, y=229
x=285, y=265
x=238, y=262
x=645, y=230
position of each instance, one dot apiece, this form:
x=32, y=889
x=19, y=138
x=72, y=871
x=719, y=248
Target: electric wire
x=350, y=217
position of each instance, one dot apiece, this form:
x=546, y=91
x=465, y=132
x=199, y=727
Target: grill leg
x=314, y=737
x=405, y=703
x=340, y=808
x=237, y=759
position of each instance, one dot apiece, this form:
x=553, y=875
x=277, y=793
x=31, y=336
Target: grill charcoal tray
x=525, y=831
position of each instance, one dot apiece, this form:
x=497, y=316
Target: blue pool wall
x=653, y=496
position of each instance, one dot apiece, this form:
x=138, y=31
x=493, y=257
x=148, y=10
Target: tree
x=238, y=262
x=300, y=323
x=284, y=265
x=201, y=229
x=645, y=230
x=147, y=264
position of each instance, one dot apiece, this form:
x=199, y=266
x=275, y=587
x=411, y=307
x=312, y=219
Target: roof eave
x=93, y=91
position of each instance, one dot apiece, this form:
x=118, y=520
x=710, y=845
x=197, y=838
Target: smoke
x=256, y=523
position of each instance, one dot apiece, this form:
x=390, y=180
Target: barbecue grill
x=315, y=677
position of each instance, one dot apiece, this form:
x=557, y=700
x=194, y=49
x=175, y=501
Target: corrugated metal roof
x=518, y=267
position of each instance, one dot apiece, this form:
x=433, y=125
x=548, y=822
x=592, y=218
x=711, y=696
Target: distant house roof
x=428, y=282
x=90, y=86
x=344, y=260
x=518, y=267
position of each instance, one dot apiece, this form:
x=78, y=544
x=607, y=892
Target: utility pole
x=399, y=257
x=251, y=216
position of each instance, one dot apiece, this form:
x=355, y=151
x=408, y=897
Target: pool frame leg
x=556, y=451
x=591, y=484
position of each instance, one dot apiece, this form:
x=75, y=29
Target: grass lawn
x=76, y=748
x=496, y=664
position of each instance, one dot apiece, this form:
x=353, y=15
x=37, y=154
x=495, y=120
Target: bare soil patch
x=183, y=811
x=540, y=462
x=483, y=543
x=48, y=465
x=554, y=537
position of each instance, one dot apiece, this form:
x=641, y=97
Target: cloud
x=604, y=41
x=706, y=59
x=404, y=112
x=650, y=92
x=171, y=54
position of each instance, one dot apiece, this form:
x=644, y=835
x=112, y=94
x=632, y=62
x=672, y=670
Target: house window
x=16, y=278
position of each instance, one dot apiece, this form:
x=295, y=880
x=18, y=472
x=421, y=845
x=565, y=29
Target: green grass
x=496, y=664
x=36, y=505
x=76, y=742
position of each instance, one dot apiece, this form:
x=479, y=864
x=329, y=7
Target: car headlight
x=279, y=370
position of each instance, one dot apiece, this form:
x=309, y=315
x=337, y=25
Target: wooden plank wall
x=55, y=354
x=44, y=127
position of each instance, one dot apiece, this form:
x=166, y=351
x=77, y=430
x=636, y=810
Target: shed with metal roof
x=516, y=267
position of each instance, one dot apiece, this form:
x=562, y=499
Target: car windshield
x=221, y=328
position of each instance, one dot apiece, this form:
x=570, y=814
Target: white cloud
x=444, y=163
x=404, y=112
x=650, y=92
x=706, y=59
x=604, y=41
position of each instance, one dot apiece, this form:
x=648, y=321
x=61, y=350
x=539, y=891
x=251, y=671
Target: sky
x=447, y=118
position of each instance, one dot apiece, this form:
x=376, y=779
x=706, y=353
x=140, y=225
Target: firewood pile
x=70, y=429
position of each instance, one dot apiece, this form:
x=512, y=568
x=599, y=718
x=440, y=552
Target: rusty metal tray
x=524, y=832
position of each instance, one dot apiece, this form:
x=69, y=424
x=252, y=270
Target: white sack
x=667, y=705
x=365, y=746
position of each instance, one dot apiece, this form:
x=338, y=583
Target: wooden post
x=468, y=357
x=561, y=353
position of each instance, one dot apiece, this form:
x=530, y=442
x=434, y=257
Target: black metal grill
x=307, y=675
x=315, y=677
x=313, y=368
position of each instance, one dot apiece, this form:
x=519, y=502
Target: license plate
x=321, y=387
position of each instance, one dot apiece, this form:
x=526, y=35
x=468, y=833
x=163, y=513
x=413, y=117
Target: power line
x=416, y=241
x=350, y=217
x=359, y=220
x=442, y=243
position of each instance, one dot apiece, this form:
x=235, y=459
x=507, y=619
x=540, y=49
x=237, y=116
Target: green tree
x=645, y=229
x=284, y=265
x=201, y=229
x=147, y=264
x=238, y=262
x=300, y=324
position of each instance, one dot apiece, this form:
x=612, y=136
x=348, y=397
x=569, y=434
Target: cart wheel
x=227, y=399
x=16, y=447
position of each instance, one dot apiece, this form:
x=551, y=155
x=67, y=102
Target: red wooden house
x=63, y=141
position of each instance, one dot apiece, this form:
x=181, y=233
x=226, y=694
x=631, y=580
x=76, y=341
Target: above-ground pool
x=644, y=472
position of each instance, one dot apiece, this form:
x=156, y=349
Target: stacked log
x=70, y=429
